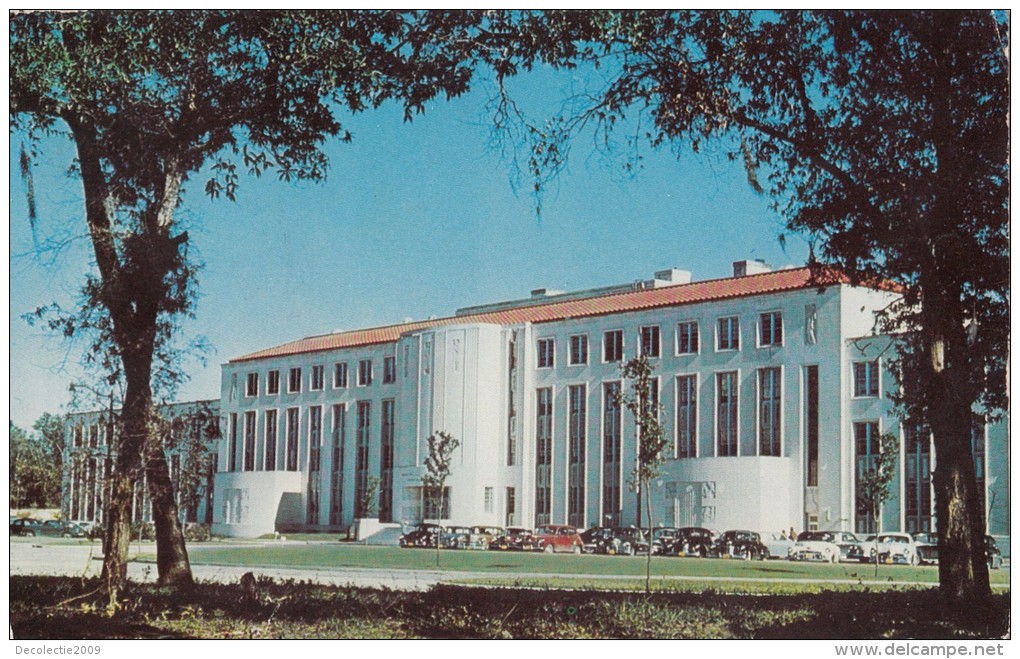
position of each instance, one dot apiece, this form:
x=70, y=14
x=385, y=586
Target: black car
x=992, y=553
x=664, y=540
x=693, y=541
x=421, y=535
x=740, y=544
x=627, y=541
x=514, y=538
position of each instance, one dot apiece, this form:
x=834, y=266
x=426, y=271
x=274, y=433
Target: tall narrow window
x=273, y=383
x=389, y=375
x=336, y=501
x=728, y=335
x=271, y=433
x=487, y=499
x=612, y=474
x=576, y=458
x=687, y=416
x=386, y=464
x=249, y=441
x=364, y=372
x=318, y=377
x=917, y=442
x=770, y=329
x=612, y=346
x=294, y=382
x=650, y=341
x=293, y=416
x=340, y=375
x=811, y=423
x=543, y=456
x=361, y=463
x=511, y=404
x=233, y=459
x=251, y=385
x=865, y=449
x=546, y=353
x=769, y=411
x=511, y=506
x=726, y=414
x=866, y=378
x=314, y=461
x=687, y=338
x=578, y=350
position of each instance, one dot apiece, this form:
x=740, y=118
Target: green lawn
x=508, y=564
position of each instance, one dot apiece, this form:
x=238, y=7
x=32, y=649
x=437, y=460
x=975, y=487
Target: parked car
x=421, y=535
x=30, y=526
x=777, y=544
x=927, y=547
x=592, y=537
x=514, y=538
x=694, y=541
x=626, y=541
x=992, y=553
x=895, y=548
x=26, y=526
x=827, y=546
x=455, y=537
x=740, y=544
x=663, y=540
x=558, y=538
x=482, y=536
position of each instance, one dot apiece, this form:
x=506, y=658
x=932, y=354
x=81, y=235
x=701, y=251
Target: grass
x=68, y=608
x=515, y=565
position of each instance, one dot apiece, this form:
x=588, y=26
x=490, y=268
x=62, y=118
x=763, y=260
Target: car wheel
x=548, y=548
x=765, y=555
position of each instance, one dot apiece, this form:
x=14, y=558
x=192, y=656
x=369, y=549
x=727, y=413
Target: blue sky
x=414, y=220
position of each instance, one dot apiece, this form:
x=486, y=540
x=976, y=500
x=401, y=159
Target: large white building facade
x=773, y=389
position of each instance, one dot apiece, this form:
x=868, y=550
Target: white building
x=767, y=396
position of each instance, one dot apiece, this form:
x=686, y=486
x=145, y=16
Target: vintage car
x=626, y=541
x=827, y=546
x=663, y=540
x=777, y=544
x=455, y=537
x=558, y=538
x=739, y=544
x=992, y=553
x=514, y=538
x=482, y=536
x=421, y=535
x=29, y=526
x=592, y=537
x=927, y=547
x=694, y=541
x=895, y=548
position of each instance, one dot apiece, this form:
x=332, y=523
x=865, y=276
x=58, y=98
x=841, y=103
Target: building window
x=865, y=449
x=364, y=372
x=294, y=382
x=770, y=329
x=576, y=424
x=728, y=337
x=249, y=441
x=361, y=463
x=578, y=350
x=650, y=341
x=511, y=407
x=487, y=499
x=336, y=502
x=918, y=478
x=811, y=423
x=546, y=353
x=612, y=346
x=511, y=506
x=687, y=338
x=340, y=375
x=726, y=414
x=543, y=456
x=386, y=463
x=686, y=416
x=271, y=433
x=232, y=457
x=251, y=385
x=612, y=474
x=293, y=416
x=273, y=383
x=318, y=377
x=389, y=371
x=866, y=378
x=769, y=411
x=314, y=460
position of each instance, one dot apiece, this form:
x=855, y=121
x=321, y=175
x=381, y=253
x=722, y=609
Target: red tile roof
x=639, y=300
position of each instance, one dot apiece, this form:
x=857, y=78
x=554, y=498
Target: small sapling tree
x=441, y=446
x=873, y=484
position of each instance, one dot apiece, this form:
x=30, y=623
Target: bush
x=195, y=532
x=143, y=531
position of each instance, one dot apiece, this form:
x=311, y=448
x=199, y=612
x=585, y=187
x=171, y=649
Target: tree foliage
x=881, y=135
x=873, y=482
x=35, y=461
x=439, y=457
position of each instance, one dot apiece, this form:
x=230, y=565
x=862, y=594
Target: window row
x=317, y=378
x=686, y=340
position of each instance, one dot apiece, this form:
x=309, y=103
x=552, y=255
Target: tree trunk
x=172, y=564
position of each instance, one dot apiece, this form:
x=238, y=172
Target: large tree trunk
x=172, y=564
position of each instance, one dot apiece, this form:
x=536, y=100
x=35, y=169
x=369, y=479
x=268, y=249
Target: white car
x=894, y=548
x=777, y=544
x=815, y=546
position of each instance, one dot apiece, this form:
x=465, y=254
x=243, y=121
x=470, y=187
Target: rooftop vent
x=672, y=276
x=755, y=267
x=545, y=292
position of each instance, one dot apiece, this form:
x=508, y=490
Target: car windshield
x=892, y=539
x=814, y=536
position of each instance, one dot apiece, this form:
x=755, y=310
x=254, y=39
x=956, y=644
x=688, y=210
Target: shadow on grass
x=42, y=607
